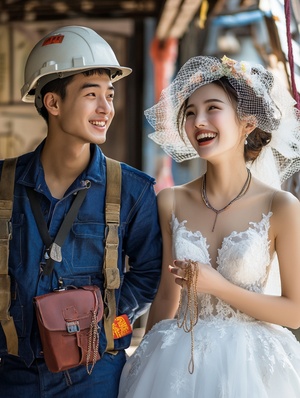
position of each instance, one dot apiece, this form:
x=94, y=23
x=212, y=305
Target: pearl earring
x=246, y=142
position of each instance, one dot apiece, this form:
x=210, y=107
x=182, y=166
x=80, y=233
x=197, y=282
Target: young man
x=69, y=75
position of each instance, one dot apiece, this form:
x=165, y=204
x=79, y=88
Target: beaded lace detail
x=242, y=259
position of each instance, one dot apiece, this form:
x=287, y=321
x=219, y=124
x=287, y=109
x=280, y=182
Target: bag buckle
x=73, y=327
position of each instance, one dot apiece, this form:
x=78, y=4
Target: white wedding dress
x=235, y=355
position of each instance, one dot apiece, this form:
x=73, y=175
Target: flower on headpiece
x=228, y=61
x=235, y=69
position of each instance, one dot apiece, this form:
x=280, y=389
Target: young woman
x=223, y=234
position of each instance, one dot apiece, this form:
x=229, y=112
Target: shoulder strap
x=110, y=266
x=53, y=246
x=271, y=199
x=6, y=206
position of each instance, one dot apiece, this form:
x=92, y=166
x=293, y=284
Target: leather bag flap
x=59, y=310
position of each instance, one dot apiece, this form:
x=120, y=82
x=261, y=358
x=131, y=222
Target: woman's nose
x=200, y=121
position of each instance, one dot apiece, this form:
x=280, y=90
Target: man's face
x=87, y=110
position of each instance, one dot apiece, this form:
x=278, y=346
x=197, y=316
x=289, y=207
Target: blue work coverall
x=27, y=376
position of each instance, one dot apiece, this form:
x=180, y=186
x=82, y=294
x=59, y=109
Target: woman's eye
x=189, y=113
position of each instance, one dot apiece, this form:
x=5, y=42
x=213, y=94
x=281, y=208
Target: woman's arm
x=166, y=300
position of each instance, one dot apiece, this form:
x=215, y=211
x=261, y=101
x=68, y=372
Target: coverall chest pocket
x=88, y=246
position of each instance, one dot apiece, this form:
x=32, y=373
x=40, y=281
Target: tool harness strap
x=110, y=267
x=6, y=205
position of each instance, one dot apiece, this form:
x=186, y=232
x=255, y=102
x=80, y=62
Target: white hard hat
x=65, y=52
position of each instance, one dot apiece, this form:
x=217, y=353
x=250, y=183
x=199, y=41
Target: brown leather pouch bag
x=68, y=324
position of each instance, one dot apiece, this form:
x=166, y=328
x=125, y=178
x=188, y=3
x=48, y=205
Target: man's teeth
x=96, y=123
x=203, y=136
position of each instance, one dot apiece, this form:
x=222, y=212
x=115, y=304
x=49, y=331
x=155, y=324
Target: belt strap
x=110, y=266
x=6, y=205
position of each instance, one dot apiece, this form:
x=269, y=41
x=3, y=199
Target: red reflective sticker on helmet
x=57, y=39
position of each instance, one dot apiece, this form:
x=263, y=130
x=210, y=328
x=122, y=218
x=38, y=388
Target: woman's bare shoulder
x=179, y=189
x=284, y=200
x=279, y=196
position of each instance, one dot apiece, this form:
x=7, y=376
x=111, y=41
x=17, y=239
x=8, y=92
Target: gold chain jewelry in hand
x=188, y=312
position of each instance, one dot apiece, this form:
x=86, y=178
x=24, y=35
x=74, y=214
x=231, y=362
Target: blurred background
x=154, y=38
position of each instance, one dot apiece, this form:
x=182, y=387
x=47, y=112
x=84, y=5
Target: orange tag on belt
x=121, y=326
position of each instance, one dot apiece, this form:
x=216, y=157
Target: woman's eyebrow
x=207, y=101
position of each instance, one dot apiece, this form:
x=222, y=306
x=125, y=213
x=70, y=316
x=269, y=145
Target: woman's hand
x=209, y=280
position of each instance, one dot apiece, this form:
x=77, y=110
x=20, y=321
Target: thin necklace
x=217, y=212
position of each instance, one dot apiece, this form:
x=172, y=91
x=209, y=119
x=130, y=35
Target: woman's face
x=212, y=125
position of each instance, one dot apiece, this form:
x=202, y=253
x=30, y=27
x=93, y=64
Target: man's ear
x=51, y=103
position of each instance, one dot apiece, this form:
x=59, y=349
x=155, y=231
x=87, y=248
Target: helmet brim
x=28, y=91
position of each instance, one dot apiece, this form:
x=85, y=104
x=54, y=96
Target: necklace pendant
x=240, y=195
x=213, y=228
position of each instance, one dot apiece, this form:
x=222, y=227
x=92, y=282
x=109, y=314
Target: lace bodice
x=243, y=259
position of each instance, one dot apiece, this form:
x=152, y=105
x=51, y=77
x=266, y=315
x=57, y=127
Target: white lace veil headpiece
x=261, y=97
